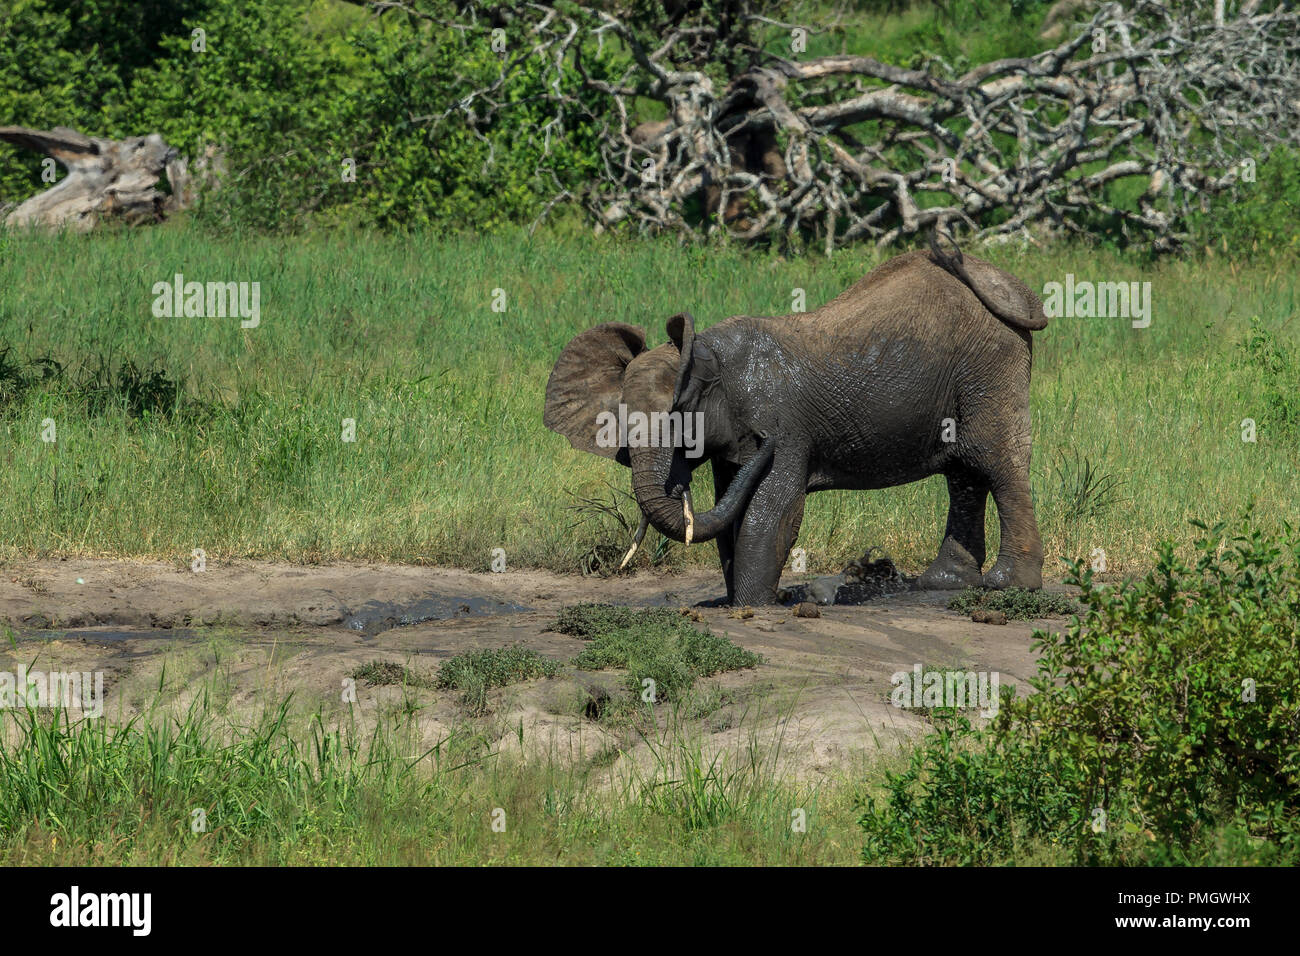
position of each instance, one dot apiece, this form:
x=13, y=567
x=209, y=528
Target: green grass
x=1017, y=604
x=588, y=621
x=476, y=672
x=351, y=793
x=657, y=645
x=451, y=460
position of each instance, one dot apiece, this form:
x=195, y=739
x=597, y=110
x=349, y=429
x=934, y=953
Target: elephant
x=920, y=368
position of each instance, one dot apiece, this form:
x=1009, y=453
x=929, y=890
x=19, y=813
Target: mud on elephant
x=921, y=368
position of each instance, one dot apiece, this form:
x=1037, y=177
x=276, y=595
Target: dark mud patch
x=108, y=635
x=863, y=580
x=834, y=589
x=696, y=597
x=374, y=617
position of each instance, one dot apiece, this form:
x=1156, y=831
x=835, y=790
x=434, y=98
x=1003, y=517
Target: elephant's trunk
x=662, y=482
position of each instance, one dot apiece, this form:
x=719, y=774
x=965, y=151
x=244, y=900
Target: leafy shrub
x=1018, y=604
x=286, y=105
x=45, y=80
x=1263, y=212
x=1166, y=725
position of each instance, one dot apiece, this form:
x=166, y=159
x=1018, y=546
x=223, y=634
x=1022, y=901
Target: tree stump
x=106, y=180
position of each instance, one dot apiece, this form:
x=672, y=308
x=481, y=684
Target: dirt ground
x=260, y=630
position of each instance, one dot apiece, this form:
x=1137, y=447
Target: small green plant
x=652, y=644
x=18, y=376
x=140, y=392
x=612, y=529
x=476, y=672
x=1018, y=604
x=1083, y=489
x=378, y=673
x=1275, y=367
x=590, y=620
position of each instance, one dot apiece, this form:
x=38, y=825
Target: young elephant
x=921, y=368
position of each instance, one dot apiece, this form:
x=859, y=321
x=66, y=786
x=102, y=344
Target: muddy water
x=106, y=635
x=376, y=616
x=842, y=589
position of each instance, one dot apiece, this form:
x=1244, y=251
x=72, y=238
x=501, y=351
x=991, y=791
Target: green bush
x=1165, y=728
x=44, y=82
x=1262, y=214
x=287, y=105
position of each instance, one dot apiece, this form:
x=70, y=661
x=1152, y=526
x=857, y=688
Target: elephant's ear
x=681, y=329
x=588, y=380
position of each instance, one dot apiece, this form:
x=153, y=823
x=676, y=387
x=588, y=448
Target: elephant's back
x=907, y=299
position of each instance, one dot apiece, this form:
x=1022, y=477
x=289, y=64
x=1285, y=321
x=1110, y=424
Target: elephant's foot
x=1015, y=573
x=954, y=568
x=755, y=595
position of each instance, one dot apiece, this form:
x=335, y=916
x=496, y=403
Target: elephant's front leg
x=723, y=474
x=766, y=534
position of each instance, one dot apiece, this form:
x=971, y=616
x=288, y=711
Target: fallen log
x=106, y=180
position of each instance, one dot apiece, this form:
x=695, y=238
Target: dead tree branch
x=1183, y=97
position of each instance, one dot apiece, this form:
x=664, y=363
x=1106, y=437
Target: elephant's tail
x=1002, y=293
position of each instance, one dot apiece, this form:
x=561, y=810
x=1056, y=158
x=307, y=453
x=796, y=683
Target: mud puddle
x=374, y=617
x=862, y=581
x=108, y=635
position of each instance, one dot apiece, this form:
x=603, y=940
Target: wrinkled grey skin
x=853, y=395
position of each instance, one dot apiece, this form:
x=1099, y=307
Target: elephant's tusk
x=636, y=541
x=688, y=512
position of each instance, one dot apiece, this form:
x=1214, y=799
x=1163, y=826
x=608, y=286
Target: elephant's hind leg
x=1020, y=552
x=961, y=556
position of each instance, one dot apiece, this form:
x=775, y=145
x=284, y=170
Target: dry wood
x=106, y=179
x=1181, y=96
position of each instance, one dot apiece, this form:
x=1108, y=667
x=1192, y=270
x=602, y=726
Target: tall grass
x=246, y=458
x=199, y=788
